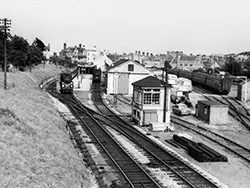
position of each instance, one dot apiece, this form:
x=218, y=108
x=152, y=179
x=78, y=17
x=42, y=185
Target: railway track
x=181, y=172
x=235, y=148
x=133, y=173
x=135, y=176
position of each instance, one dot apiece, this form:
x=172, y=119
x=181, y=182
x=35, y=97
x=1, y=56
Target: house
x=121, y=74
x=92, y=54
x=77, y=54
x=189, y=62
x=149, y=100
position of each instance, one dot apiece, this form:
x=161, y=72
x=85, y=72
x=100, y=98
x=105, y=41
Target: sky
x=154, y=26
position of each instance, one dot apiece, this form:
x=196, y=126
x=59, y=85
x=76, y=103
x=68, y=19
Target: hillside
x=35, y=149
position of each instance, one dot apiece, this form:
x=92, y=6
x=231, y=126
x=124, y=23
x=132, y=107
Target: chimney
x=64, y=46
x=48, y=48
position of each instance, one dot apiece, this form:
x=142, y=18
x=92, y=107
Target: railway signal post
x=5, y=25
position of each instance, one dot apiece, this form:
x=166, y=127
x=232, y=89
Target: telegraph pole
x=6, y=25
x=165, y=90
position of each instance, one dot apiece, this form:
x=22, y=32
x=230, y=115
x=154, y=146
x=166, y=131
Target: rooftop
x=212, y=103
x=188, y=58
x=149, y=81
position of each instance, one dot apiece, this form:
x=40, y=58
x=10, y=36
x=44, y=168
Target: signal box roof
x=149, y=81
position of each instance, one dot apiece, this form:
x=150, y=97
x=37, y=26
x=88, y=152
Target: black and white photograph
x=124, y=94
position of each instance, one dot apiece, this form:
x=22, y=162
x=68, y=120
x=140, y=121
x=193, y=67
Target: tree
x=35, y=52
x=39, y=44
x=35, y=56
x=2, y=38
x=55, y=59
x=1, y=46
x=18, y=51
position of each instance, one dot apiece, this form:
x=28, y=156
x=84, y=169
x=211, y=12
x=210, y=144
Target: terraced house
x=189, y=62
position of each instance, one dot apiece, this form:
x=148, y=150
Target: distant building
x=78, y=54
x=189, y=62
x=243, y=56
x=217, y=60
x=121, y=75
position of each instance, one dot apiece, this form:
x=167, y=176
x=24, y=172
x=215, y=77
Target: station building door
x=123, y=82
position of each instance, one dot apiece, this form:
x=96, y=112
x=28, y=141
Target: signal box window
x=151, y=97
x=130, y=67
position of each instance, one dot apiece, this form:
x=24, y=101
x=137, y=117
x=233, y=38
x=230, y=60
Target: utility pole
x=165, y=91
x=6, y=25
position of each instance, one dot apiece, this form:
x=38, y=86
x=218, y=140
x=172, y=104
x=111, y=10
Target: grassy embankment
x=35, y=149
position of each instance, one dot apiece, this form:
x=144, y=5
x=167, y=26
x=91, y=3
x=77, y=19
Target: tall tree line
x=19, y=52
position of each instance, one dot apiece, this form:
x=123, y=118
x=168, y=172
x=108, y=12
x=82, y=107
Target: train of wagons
x=66, y=83
x=217, y=83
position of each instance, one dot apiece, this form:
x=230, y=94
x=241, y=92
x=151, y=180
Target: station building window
x=130, y=67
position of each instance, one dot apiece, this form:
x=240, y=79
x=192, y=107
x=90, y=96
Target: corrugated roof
x=149, y=81
x=188, y=58
x=212, y=103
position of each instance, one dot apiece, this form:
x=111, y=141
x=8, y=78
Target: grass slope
x=35, y=149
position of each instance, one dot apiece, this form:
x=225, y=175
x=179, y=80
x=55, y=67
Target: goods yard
x=112, y=123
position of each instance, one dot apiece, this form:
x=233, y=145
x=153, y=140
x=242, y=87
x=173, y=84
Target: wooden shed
x=212, y=112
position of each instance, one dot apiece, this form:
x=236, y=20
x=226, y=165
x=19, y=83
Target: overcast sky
x=155, y=26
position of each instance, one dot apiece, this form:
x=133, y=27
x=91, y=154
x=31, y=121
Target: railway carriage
x=185, y=74
x=219, y=84
x=199, y=77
